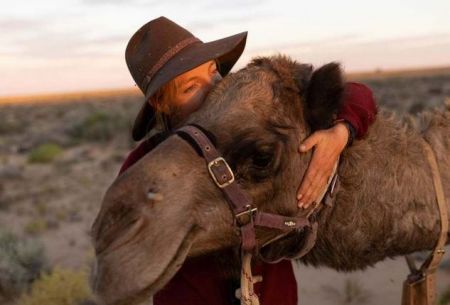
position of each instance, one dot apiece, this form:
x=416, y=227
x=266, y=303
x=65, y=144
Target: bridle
x=246, y=215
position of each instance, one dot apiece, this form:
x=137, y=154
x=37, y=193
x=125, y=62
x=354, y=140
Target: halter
x=246, y=215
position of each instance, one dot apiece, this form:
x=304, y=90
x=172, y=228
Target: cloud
x=19, y=27
x=351, y=41
x=319, y=43
x=235, y=5
x=47, y=38
x=53, y=46
x=128, y=3
x=222, y=21
x=20, y=24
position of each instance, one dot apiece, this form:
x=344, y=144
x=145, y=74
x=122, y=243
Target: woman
x=175, y=71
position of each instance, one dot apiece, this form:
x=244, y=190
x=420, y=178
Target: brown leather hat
x=161, y=50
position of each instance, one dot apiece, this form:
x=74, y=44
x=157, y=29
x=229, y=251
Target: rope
x=247, y=294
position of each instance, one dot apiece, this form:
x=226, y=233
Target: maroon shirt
x=200, y=282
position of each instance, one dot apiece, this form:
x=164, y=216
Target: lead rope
x=248, y=295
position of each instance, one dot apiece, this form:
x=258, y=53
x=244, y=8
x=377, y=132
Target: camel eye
x=262, y=160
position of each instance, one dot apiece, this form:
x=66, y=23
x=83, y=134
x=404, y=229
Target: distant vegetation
x=21, y=262
x=445, y=297
x=59, y=287
x=352, y=293
x=45, y=153
x=8, y=126
x=36, y=226
x=98, y=127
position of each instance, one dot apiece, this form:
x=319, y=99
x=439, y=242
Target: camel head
x=166, y=207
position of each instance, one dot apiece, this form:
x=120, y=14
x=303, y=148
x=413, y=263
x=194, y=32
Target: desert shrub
x=98, y=126
x=36, y=226
x=59, y=287
x=445, y=265
x=21, y=262
x=41, y=207
x=352, y=292
x=45, y=153
x=8, y=126
x=445, y=297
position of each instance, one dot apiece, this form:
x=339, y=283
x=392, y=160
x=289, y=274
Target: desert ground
x=59, y=153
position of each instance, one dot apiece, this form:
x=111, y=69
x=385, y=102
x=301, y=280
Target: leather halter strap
x=431, y=264
x=246, y=215
x=420, y=285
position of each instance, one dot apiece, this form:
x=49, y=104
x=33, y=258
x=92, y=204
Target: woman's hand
x=328, y=145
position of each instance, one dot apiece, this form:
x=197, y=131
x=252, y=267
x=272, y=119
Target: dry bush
x=97, y=127
x=445, y=297
x=45, y=153
x=21, y=262
x=11, y=126
x=36, y=226
x=351, y=294
x=60, y=287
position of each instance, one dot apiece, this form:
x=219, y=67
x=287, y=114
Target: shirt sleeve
x=359, y=107
x=134, y=156
x=141, y=150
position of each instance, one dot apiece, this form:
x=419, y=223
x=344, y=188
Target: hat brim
x=226, y=50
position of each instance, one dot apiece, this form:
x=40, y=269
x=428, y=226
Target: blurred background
x=67, y=102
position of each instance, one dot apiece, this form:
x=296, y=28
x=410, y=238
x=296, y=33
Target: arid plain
x=59, y=153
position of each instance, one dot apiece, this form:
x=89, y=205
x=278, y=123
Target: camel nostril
x=154, y=196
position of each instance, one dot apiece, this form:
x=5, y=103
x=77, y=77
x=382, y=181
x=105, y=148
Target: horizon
x=78, y=45
x=134, y=90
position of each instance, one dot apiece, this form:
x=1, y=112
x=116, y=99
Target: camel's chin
x=139, y=288
x=175, y=262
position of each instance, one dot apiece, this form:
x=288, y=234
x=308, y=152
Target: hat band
x=166, y=57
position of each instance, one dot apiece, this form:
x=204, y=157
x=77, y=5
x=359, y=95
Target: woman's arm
x=358, y=112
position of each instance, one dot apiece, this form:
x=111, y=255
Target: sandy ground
x=66, y=193
x=381, y=284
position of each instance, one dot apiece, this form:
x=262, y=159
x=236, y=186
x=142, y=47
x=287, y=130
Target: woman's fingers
x=328, y=146
x=315, y=192
x=313, y=185
x=312, y=179
x=310, y=141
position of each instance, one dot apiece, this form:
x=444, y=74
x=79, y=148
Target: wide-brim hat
x=161, y=50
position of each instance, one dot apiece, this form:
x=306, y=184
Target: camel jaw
x=116, y=287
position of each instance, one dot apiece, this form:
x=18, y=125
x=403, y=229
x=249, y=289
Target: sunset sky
x=69, y=45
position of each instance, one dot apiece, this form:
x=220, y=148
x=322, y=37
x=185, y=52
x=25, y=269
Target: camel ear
x=324, y=96
x=302, y=76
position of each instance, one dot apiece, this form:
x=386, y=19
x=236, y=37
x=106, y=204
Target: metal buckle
x=215, y=162
x=248, y=213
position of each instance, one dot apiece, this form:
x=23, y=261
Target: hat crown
x=149, y=44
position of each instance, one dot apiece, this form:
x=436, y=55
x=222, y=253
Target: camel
x=384, y=206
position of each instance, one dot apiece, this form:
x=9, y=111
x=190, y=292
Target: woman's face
x=192, y=89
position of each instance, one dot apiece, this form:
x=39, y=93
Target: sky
x=71, y=45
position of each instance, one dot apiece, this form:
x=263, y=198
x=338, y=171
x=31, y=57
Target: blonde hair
x=160, y=101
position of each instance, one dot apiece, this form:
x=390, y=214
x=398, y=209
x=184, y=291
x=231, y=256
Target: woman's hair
x=160, y=102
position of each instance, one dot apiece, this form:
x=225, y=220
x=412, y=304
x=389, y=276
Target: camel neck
x=385, y=205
